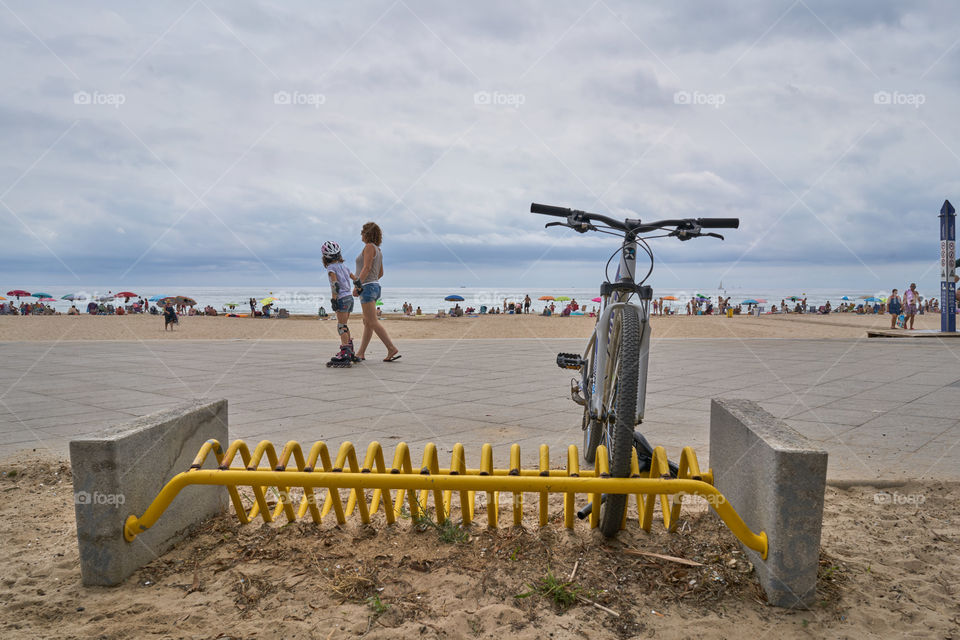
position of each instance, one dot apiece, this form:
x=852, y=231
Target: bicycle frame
x=606, y=333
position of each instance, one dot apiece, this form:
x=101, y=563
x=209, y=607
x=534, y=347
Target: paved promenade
x=884, y=409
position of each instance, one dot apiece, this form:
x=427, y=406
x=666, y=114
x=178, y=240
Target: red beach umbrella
x=125, y=294
x=18, y=292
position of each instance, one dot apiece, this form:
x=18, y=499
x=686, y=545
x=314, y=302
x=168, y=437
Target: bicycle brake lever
x=555, y=224
x=713, y=235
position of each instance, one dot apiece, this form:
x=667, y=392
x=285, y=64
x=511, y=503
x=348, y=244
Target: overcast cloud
x=222, y=142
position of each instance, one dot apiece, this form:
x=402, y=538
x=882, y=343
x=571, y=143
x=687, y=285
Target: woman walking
x=369, y=271
x=893, y=308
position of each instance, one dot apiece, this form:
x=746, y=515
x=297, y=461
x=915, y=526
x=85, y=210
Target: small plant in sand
x=563, y=594
x=377, y=605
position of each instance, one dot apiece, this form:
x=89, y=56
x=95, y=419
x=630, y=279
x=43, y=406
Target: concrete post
x=948, y=256
x=119, y=471
x=776, y=479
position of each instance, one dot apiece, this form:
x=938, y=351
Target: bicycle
x=613, y=368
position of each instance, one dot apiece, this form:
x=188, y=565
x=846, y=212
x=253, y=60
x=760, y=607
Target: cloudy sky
x=204, y=142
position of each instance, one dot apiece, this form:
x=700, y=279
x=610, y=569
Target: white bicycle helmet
x=330, y=249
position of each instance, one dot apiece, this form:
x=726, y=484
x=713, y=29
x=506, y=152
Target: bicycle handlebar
x=636, y=226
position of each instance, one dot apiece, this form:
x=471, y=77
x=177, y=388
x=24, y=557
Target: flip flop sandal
x=395, y=356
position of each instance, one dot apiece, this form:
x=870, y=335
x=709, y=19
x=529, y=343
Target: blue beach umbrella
x=872, y=300
x=454, y=298
x=157, y=298
x=844, y=298
x=750, y=301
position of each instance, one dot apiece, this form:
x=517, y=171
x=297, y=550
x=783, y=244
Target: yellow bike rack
x=402, y=477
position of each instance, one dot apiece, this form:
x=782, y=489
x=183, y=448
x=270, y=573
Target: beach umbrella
x=845, y=298
x=18, y=293
x=454, y=298
x=158, y=298
x=42, y=295
x=267, y=301
x=761, y=300
x=73, y=297
x=232, y=305
x=126, y=294
x=379, y=303
x=749, y=301
x=595, y=300
x=185, y=300
x=105, y=298
x=871, y=299
x=2, y=298
x=669, y=297
x=47, y=300
x=701, y=296
x=545, y=298
x=561, y=298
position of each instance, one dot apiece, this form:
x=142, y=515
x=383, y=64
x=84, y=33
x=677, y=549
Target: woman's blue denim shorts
x=370, y=293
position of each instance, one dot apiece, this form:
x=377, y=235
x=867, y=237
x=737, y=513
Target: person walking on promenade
x=893, y=307
x=910, y=300
x=369, y=271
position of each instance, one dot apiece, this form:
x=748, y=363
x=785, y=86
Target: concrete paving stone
x=805, y=401
x=820, y=431
x=854, y=403
x=782, y=410
x=944, y=396
x=865, y=438
x=922, y=408
x=918, y=425
x=844, y=417
x=897, y=391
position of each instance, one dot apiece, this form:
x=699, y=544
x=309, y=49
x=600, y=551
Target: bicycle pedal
x=570, y=361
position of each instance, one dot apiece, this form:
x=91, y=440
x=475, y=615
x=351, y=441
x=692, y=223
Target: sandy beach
x=884, y=572
x=66, y=328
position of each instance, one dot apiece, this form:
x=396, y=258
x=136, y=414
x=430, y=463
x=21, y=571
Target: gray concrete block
x=118, y=472
x=775, y=478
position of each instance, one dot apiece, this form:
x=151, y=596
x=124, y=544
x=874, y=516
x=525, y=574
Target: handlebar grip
x=719, y=223
x=549, y=210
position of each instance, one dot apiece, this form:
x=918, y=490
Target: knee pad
x=342, y=328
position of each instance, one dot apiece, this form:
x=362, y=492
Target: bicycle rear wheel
x=619, y=434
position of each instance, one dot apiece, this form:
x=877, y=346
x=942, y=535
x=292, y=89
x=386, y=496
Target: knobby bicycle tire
x=618, y=451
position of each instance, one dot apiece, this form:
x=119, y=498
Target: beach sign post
x=948, y=257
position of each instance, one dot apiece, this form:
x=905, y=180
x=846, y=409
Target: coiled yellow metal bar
x=316, y=471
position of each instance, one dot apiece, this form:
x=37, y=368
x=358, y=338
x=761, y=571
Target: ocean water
x=307, y=300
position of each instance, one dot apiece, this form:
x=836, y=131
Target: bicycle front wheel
x=619, y=431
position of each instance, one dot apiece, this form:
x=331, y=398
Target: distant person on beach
x=910, y=300
x=369, y=272
x=526, y=304
x=893, y=308
x=253, y=307
x=341, y=300
x=169, y=317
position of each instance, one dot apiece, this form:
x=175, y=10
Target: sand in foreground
x=56, y=328
x=888, y=568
